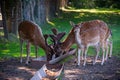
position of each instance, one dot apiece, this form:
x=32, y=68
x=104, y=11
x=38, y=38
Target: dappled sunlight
x=31, y=71
x=74, y=71
x=50, y=22
x=80, y=15
x=5, y=51
x=0, y=16
x=10, y=53
x=15, y=78
x=1, y=33
x=91, y=10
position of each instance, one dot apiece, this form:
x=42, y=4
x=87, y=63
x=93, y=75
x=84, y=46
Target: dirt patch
x=12, y=69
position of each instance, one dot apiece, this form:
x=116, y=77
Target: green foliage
x=10, y=49
x=83, y=3
x=95, y=3
x=111, y=17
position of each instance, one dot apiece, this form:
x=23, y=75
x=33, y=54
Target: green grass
x=111, y=17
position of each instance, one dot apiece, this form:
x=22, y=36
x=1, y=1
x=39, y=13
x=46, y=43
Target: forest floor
x=12, y=69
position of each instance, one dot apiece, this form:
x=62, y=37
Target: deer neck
x=68, y=42
x=43, y=46
x=40, y=40
x=77, y=37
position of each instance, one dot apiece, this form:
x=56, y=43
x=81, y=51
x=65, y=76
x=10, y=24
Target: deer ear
x=72, y=23
x=60, y=36
x=54, y=39
x=80, y=25
x=45, y=36
x=54, y=30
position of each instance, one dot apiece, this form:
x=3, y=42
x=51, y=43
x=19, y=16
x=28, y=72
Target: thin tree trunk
x=32, y=7
x=4, y=19
x=16, y=19
x=47, y=9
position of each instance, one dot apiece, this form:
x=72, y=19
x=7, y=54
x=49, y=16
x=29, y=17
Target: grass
x=111, y=17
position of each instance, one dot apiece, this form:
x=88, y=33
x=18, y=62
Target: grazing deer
x=32, y=34
x=92, y=33
x=56, y=37
x=70, y=40
x=62, y=47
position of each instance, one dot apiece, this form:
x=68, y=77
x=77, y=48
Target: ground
x=12, y=69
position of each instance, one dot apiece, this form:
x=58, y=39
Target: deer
x=92, y=33
x=31, y=33
x=64, y=46
x=56, y=39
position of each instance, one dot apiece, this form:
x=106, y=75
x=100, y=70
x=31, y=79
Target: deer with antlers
x=92, y=33
x=31, y=33
x=96, y=27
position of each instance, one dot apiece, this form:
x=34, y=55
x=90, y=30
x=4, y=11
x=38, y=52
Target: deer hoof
x=94, y=63
x=102, y=64
x=84, y=64
x=21, y=61
x=77, y=66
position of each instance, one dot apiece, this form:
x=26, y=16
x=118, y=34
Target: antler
x=46, y=36
x=60, y=36
x=54, y=30
x=56, y=37
x=51, y=46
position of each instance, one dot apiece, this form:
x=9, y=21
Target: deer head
x=56, y=37
x=32, y=34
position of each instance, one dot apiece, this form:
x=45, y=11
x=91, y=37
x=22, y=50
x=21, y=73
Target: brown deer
x=63, y=47
x=92, y=33
x=56, y=37
x=32, y=34
x=92, y=25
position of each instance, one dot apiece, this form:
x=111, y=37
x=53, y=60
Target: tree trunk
x=52, y=10
x=4, y=19
x=26, y=10
x=15, y=18
x=63, y=3
x=42, y=11
x=33, y=10
x=32, y=7
x=47, y=9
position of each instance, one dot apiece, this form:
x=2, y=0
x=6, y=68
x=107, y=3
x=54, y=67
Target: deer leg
x=76, y=55
x=36, y=51
x=79, y=51
x=82, y=55
x=85, y=55
x=97, y=49
x=111, y=45
x=103, y=55
x=28, y=51
x=21, y=50
x=107, y=49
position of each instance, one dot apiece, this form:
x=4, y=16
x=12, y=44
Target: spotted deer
x=92, y=33
x=31, y=33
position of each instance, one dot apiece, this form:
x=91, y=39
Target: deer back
x=92, y=31
x=32, y=32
